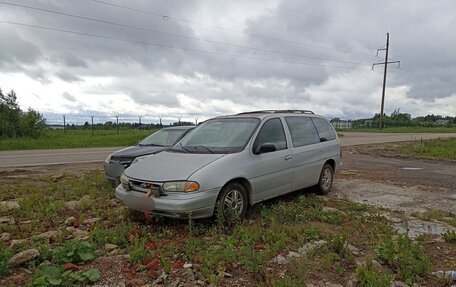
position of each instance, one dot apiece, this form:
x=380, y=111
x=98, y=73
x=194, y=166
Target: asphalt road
x=9, y=159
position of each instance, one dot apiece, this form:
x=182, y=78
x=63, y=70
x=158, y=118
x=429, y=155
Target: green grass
x=403, y=130
x=433, y=149
x=54, y=139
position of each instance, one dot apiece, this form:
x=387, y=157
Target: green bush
x=32, y=125
x=14, y=123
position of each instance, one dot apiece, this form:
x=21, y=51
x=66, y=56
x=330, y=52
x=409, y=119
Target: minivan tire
x=232, y=192
x=326, y=179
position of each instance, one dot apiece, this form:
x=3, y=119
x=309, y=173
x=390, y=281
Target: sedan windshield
x=163, y=137
x=224, y=135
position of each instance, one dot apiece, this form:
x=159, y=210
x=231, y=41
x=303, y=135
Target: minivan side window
x=272, y=132
x=303, y=131
x=325, y=130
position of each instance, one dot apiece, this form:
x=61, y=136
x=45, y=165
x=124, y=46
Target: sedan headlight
x=181, y=186
x=125, y=182
x=108, y=158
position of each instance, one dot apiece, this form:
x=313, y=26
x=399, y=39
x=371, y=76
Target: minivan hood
x=167, y=166
x=135, y=151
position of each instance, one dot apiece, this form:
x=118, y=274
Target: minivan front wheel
x=233, y=200
x=326, y=179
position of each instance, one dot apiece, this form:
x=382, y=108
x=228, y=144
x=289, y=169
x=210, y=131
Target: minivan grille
x=143, y=186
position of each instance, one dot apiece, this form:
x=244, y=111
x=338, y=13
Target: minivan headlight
x=181, y=186
x=125, y=182
x=108, y=158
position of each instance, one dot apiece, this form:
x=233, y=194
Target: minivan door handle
x=288, y=157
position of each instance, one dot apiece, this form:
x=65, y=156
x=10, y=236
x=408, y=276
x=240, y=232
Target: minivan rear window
x=303, y=131
x=325, y=130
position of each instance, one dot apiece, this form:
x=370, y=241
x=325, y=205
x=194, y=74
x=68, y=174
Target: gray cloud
x=69, y=97
x=67, y=77
x=306, y=69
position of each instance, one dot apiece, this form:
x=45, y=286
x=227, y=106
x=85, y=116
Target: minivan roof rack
x=279, y=112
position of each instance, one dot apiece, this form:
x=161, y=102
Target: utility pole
x=384, y=75
x=117, y=124
x=64, y=124
x=92, y=124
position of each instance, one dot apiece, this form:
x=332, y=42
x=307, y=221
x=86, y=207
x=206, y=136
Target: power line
x=177, y=35
x=190, y=22
x=173, y=47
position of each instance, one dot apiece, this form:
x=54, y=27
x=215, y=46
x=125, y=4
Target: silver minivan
x=233, y=162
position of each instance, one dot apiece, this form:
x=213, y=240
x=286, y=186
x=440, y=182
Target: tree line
x=398, y=119
x=16, y=123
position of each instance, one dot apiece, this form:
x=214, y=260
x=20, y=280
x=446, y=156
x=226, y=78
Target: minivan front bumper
x=176, y=205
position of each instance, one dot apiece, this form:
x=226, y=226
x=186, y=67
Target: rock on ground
x=72, y=204
x=5, y=236
x=23, y=257
x=9, y=205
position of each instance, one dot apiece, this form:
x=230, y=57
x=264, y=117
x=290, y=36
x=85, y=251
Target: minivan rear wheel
x=326, y=179
x=232, y=199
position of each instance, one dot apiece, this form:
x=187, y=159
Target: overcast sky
x=207, y=58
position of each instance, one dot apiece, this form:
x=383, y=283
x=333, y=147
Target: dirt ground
x=377, y=175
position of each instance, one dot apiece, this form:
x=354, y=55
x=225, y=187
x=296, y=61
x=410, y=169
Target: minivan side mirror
x=265, y=148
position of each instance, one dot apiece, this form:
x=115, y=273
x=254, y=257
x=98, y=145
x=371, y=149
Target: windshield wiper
x=184, y=148
x=151, y=145
x=204, y=147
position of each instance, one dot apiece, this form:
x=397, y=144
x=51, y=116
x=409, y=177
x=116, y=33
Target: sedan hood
x=168, y=166
x=135, y=151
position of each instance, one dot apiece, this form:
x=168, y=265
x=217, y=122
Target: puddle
x=412, y=168
x=416, y=228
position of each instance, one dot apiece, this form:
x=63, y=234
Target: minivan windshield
x=224, y=135
x=163, y=137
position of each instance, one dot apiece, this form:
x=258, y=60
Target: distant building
x=342, y=124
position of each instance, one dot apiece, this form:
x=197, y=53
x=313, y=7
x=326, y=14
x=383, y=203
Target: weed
x=439, y=215
x=338, y=245
x=138, y=250
x=450, y=236
x=288, y=281
x=166, y=263
x=227, y=218
x=369, y=277
x=102, y=235
x=73, y=251
x=55, y=276
x=405, y=257
x=5, y=255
